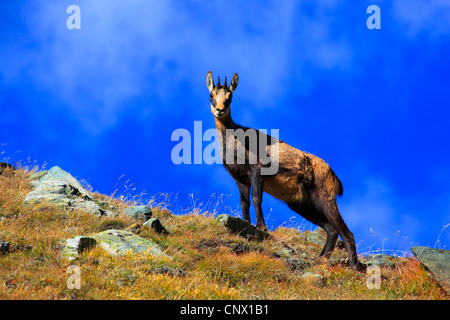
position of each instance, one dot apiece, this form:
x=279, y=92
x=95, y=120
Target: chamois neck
x=223, y=124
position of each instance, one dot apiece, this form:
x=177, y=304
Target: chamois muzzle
x=220, y=111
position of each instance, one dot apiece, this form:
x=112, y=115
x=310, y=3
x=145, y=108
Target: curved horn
x=225, y=84
x=218, y=81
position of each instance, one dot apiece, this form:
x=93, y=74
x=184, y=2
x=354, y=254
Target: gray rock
x=58, y=174
x=319, y=281
x=4, y=248
x=319, y=236
x=156, y=225
x=380, y=260
x=139, y=212
x=297, y=265
x=120, y=242
x=73, y=247
x=310, y=274
x=437, y=262
x=6, y=169
x=177, y=272
x=241, y=227
x=60, y=188
x=37, y=175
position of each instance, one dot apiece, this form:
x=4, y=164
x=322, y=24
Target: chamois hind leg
x=332, y=236
x=330, y=209
x=257, y=193
x=310, y=213
x=244, y=191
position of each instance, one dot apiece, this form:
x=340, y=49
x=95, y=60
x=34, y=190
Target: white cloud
x=125, y=50
x=431, y=16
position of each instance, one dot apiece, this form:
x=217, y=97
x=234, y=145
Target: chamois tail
x=341, y=188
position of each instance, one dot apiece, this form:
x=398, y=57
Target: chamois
x=303, y=181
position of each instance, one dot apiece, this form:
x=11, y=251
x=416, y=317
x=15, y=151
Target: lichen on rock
x=61, y=188
x=119, y=242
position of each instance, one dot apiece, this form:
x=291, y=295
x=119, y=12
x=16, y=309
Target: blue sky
x=102, y=102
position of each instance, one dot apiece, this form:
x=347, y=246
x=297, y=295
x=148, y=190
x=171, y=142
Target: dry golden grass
x=207, y=262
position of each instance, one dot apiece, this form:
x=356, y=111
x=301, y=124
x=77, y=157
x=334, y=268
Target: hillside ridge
x=59, y=240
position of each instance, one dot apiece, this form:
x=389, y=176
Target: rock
x=156, y=225
x=139, y=212
x=297, y=265
x=319, y=236
x=241, y=227
x=380, y=260
x=115, y=242
x=61, y=188
x=310, y=274
x=6, y=169
x=4, y=248
x=318, y=280
x=119, y=242
x=134, y=228
x=37, y=175
x=177, y=272
x=437, y=262
x=73, y=247
x=58, y=174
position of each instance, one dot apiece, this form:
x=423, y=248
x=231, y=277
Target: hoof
x=262, y=227
x=360, y=267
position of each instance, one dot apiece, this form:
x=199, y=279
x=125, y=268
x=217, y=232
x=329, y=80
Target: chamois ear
x=209, y=81
x=234, y=83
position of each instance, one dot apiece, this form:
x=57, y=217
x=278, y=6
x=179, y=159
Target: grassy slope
x=216, y=264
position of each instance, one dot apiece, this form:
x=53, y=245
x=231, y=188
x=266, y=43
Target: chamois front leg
x=244, y=191
x=257, y=192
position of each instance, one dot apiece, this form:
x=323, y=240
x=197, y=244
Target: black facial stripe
x=226, y=103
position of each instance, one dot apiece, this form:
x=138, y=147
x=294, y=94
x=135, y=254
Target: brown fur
x=303, y=181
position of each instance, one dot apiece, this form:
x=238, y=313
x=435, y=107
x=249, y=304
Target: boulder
x=4, y=248
x=319, y=236
x=61, y=188
x=115, y=242
x=297, y=265
x=75, y=246
x=156, y=225
x=241, y=227
x=317, y=279
x=139, y=212
x=312, y=275
x=58, y=174
x=177, y=272
x=37, y=175
x=6, y=169
x=437, y=262
x=120, y=242
x=380, y=260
